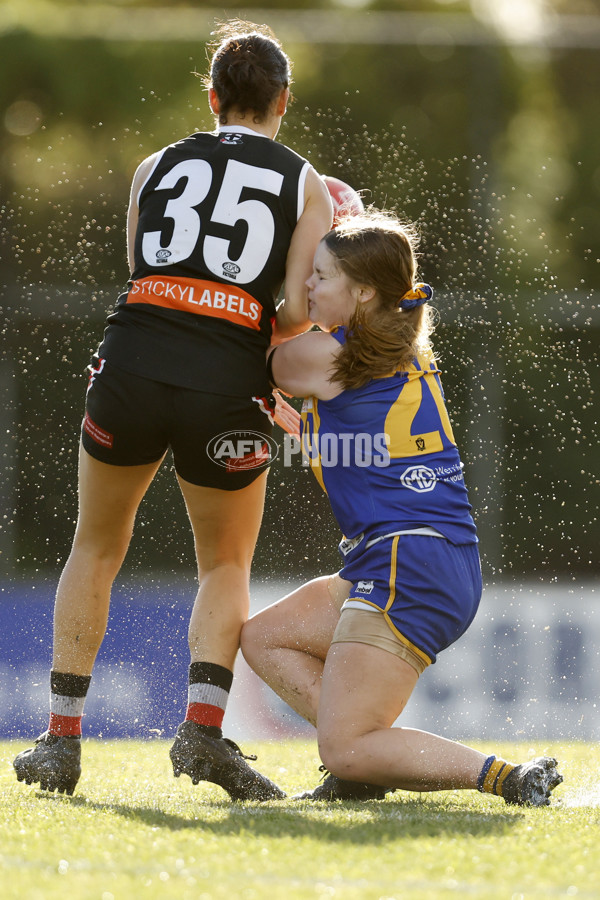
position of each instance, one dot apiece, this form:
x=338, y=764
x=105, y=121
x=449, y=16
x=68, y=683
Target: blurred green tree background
x=478, y=120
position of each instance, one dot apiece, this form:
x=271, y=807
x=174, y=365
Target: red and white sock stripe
x=206, y=704
x=66, y=714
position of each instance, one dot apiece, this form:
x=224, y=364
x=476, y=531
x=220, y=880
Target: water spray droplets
x=515, y=322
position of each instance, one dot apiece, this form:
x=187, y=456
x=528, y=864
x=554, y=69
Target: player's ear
x=282, y=102
x=213, y=101
x=364, y=293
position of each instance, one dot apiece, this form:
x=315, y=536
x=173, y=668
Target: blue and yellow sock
x=493, y=775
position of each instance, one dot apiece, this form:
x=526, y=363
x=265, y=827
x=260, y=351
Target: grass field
x=132, y=831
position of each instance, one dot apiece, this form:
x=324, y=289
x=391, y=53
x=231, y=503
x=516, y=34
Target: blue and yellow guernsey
x=386, y=456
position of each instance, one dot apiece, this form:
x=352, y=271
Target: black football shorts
x=217, y=441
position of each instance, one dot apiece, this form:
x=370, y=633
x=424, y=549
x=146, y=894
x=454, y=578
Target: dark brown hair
x=378, y=251
x=249, y=69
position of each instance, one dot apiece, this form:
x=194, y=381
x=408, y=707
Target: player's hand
x=286, y=416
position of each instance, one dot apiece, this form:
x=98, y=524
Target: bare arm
x=313, y=224
x=142, y=173
x=302, y=365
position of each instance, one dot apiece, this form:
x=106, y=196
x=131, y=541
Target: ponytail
x=386, y=334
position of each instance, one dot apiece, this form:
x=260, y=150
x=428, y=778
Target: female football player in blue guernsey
x=217, y=222
x=377, y=435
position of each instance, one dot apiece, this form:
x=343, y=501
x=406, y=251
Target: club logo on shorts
x=364, y=587
x=239, y=451
x=419, y=478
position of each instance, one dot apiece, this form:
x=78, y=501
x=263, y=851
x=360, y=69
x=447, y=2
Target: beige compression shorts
x=365, y=627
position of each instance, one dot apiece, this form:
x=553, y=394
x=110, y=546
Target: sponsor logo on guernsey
x=162, y=256
x=239, y=451
x=205, y=298
x=452, y=473
x=419, y=478
x=364, y=587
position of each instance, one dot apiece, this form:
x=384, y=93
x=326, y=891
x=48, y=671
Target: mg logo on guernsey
x=239, y=451
x=419, y=478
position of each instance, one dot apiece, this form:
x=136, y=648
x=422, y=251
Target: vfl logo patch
x=238, y=451
x=419, y=478
x=231, y=270
x=363, y=587
x=162, y=256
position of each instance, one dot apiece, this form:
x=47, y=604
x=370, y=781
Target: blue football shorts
x=427, y=588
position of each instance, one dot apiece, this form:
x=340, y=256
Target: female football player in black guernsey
x=216, y=223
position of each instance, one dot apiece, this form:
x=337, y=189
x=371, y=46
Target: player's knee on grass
x=342, y=758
